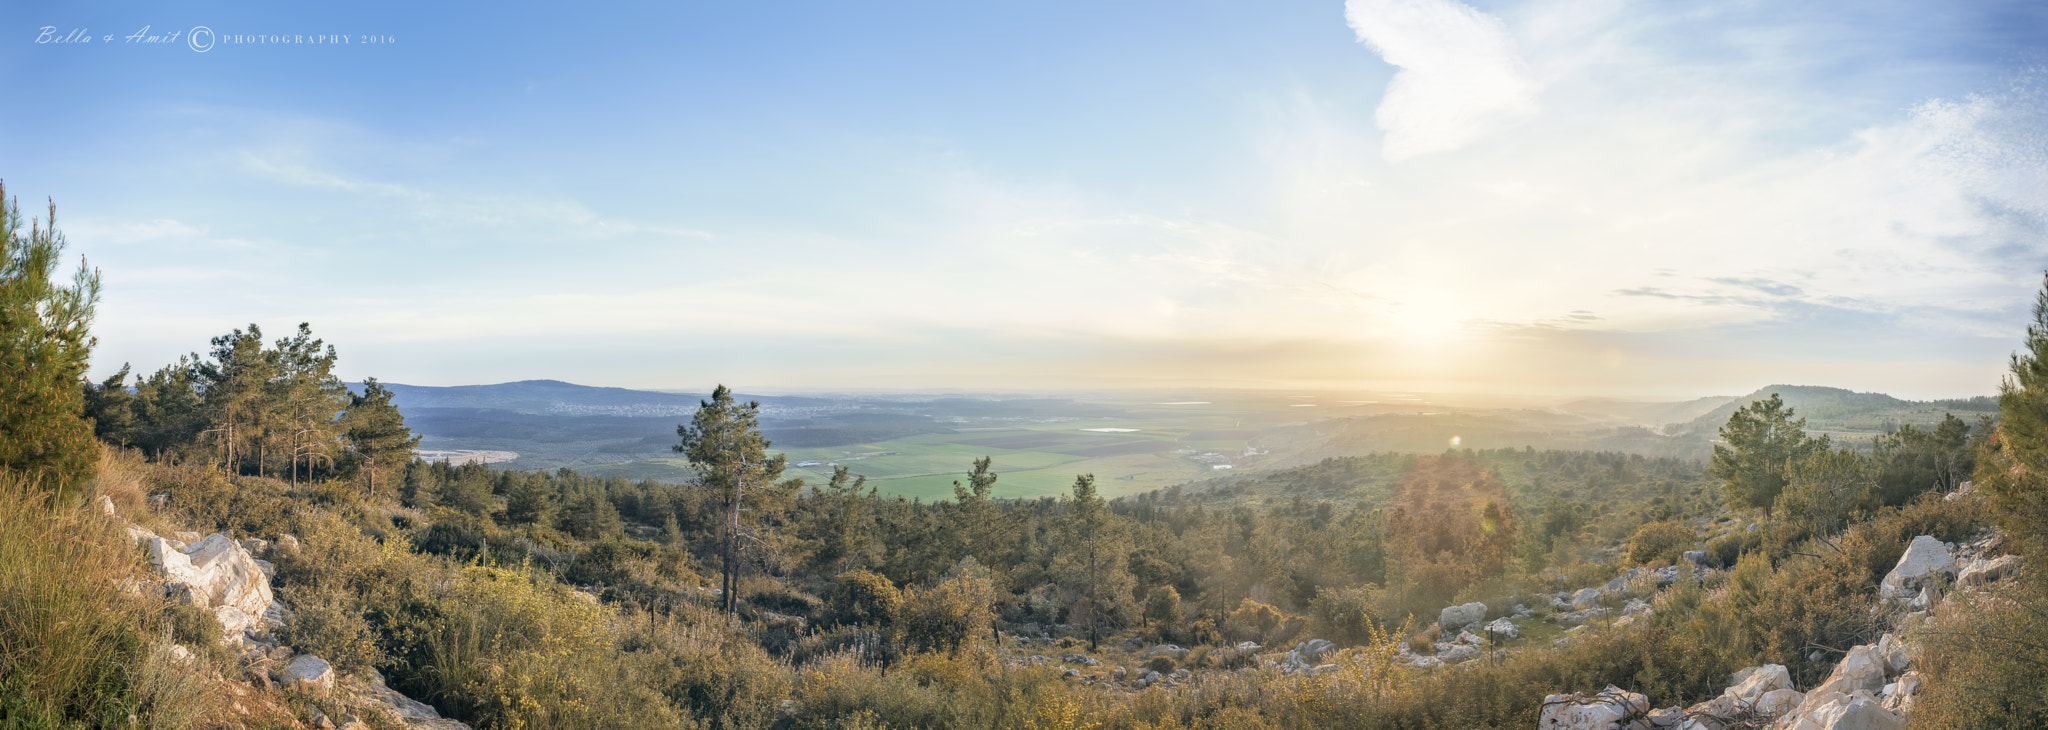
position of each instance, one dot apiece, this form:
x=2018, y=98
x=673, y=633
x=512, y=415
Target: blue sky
x=1614, y=198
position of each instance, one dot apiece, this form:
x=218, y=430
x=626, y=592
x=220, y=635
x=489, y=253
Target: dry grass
x=67, y=634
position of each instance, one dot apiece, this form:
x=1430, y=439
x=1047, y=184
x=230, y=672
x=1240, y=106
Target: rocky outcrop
x=1848, y=712
x=1926, y=558
x=223, y=576
x=1980, y=572
x=307, y=673
x=1584, y=599
x=216, y=574
x=1759, y=682
x=1457, y=617
x=1862, y=669
x=1306, y=656
x=1611, y=709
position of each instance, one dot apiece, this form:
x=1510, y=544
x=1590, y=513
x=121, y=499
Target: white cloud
x=1461, y=75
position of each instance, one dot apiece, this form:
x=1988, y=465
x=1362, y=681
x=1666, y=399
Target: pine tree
x=975, y=528
x=530, y=501
x=2014, y=465
x=1763, y=440
x=308, y=398
x=44, y=345
x=1091, y=559
x=724, y=444
x=112, y=408
x=377, y=433
x=234, y=384
x=169, y=411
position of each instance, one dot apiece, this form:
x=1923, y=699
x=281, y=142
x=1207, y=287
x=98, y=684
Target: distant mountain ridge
x=1839, y=409
x=555, y=397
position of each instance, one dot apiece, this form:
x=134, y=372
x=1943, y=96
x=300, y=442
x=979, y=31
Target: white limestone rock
x=1925, y=558
x=1778, y=702
x=1456, y=617
x=1899, y=695
x=1604, y=711
x=307, y=673
x=1504, y=627
x=1897, y=656
x=1857, y=711
x=1863, y=669
x=1981, y=572
x=1759, y=681
x=1586, y=597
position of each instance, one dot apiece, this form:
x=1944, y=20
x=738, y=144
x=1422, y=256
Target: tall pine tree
x=724, y=444
x=377, y=433
x=44, y=344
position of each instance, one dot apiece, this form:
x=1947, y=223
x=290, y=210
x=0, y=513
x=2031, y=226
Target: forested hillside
x=239, y=540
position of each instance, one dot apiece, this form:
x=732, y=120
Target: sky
x=1598, y=197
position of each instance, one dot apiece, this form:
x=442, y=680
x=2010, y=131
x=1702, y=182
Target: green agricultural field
x=1158, y=447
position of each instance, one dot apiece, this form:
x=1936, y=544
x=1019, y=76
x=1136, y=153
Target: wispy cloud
x=1461, y=75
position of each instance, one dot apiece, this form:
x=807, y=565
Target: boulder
x=1521, y=611
x=307, y=673
x=1455, y=617
x=180, y=654
x=1696, y=557
x=1167, y=650
x=1458, y=652
x=1585, y=598
x=186, y=537
x=1895, y=654
x=287, y=543
x=1608, y=710
x=220, y=573
x=1899, y=695
x=1859, y=711
x=1981, y=571
x=1081, y=659
x=1503, y=627
x=1925, y=558
x=1862, y=669
x=1759, y=681
x=1470, y=639
x=1778, y=702
x=107, y=505
x=1311, y=650
x=1248, y=646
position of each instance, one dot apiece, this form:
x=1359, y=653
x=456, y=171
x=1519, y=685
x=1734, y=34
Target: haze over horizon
x=1538, y=199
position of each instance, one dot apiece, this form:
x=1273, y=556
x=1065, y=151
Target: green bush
x=1664, y=542
x=1345, y=616
x=1252, y=621
x=1984, y=663
x=328, y=622
x=1727, y=549
x=516, y=650
x=864, y=598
